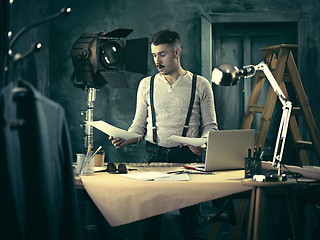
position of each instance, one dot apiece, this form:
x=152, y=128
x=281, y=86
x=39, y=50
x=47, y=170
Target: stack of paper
x=113, y=131
x=187, y=140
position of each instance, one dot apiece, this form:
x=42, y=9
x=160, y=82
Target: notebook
x=226, y=150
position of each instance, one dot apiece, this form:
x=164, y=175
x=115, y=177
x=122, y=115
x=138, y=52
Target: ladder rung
x=256, y=108
x=296, y=111
x=286, y=77
x=304, y=145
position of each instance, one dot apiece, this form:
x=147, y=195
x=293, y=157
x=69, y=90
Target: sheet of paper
x=187, y=140
x=148, y=176
x=113, y=131
x=174, y=177
x=99, y=169
x=157, y=176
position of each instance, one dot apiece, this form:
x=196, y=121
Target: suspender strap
x=193, y=93
x=154, y=128
x=186, y=125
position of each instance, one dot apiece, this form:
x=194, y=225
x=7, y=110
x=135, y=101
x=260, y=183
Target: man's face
x=165, y=57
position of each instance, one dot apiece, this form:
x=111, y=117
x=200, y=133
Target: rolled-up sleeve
x=208, y=112
x=139, y=124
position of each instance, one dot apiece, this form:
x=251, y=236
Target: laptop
x=226, y=150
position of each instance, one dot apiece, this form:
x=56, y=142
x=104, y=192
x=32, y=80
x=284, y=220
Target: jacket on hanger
x=39, y=198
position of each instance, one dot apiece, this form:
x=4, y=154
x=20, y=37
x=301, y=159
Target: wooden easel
x=277, y=65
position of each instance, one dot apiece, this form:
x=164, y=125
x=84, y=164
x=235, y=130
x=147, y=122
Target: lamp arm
x=282, y=134
x=285, y=118
x=276, y=88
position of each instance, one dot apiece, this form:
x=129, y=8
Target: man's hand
x=198, y=150
x=120, y=142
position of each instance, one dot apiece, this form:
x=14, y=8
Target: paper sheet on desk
x=113, y=131
x=312, y=172
x=187, y=140
x=157, y=176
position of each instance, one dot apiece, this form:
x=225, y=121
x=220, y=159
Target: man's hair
x=166, y=37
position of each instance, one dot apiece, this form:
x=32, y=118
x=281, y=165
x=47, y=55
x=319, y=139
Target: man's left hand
x=198, y=150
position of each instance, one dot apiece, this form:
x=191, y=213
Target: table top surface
x=123, y=200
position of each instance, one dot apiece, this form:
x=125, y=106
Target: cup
x=85, y=166
x=99, y=160
x=252, y=167
x=256, y=166
x=248, y=167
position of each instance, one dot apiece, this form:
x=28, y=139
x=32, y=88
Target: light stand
x=229, y=75
x=88, y=141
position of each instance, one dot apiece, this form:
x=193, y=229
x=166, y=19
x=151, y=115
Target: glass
x=85, y=166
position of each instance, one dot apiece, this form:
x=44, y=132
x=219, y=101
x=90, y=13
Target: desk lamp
x=229, y=75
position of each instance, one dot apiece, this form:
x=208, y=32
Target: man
x=173, y=102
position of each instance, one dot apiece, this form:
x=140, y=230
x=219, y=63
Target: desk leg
x=259, y=214
x=293, y=212
x=240, y=215
x=214, y=230
x=251, y=213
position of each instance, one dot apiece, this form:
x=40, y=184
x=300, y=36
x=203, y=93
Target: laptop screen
x=227, y=149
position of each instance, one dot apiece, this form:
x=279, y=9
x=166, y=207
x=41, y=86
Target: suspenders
x=186, y=125
x=154, y=128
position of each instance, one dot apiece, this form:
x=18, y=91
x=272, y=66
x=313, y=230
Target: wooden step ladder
x=278, y=65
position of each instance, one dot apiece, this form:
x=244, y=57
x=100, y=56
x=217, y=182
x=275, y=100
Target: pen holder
x=252, y=167
x=85, y=166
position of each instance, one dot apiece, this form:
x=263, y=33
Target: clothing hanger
x=20, y=91
x=17, y=59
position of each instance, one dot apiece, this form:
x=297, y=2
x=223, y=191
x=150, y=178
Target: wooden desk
x=122, y=200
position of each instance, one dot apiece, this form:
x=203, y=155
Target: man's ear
x=177, y=51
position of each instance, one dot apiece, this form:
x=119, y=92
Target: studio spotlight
x=100, y=58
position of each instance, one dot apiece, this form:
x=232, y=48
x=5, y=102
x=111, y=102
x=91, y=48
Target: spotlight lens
x=107, y=60
x=111, y=54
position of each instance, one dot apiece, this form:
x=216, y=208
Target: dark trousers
x=155, y=153
x=190, y=216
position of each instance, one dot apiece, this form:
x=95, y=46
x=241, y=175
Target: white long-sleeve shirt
x=171, y=103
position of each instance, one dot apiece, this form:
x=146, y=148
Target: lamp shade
x=225, y=75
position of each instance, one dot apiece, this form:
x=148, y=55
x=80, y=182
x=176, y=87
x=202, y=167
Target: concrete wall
x=117, y=106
